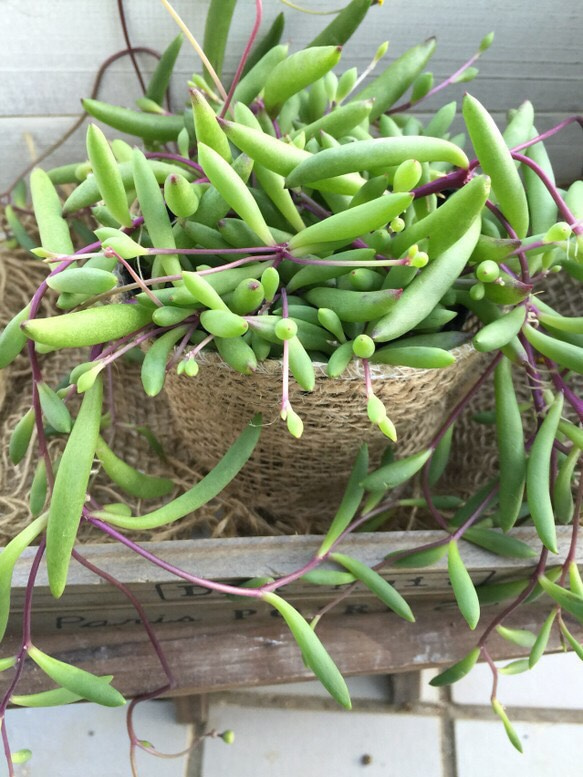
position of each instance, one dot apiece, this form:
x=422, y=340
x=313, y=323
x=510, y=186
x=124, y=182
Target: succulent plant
x=308, y=217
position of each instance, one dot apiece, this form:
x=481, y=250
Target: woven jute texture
x=293, y=479
x=224, y=516
x=19, y=276
x=474, y=458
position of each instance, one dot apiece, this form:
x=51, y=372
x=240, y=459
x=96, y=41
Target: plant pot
x=302, y=480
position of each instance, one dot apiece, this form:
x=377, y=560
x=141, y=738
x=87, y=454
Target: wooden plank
x=81, y=35
x=262, y=652
x=89, y=604
x=41, y=80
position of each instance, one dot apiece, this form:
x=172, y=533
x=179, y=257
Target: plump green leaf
x=211, y=485
x=542, y=639
x=521, y=637
x=510, y=732
x=515, y=667
x=314, y=653
x=420, y=558
x=53, y=698
x=378, y=585
x=8, y=558
x=395, y=473
x=568, y=600
x=76, y=680
x=350, y=501
x=498, y=543
x=69, y=492
x=54, y=409
x=132, y=481
x=458, y=670
x=463, y=587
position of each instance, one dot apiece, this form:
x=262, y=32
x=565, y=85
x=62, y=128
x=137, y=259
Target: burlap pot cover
x=289, y=478
x=20, y=274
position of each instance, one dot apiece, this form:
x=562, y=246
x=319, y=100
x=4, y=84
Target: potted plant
x=302, y=226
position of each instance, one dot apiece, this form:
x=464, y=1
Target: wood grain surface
x=51, y=51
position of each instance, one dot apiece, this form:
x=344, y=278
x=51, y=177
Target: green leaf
x=7, y=663
x=20, y=437
x=455, y=672
x=54, y=409
x=328, y=577
x=440, y=457
x=577, y=647
x=494, y=593
x=515, y=667
x=53, y=698
x=314, y=653
x=499, y=543
x=396, y=473
x=68, y=498
x=378, y=585
x=21, y=756
x=78, y=681
x=8, y=558
x=463, y=587
x=566, y=599
x=350, y=501
x=205, y=490
x=419, y=558
x=542, y=639
x=521, y=637
x=510, y=732
x=131, y=480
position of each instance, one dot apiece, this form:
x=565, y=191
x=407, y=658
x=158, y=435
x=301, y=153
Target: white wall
x=51, y=50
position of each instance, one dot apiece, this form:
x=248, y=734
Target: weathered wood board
x=214, y=642
x=214, y=657
x=90, y=603
x=52, y=51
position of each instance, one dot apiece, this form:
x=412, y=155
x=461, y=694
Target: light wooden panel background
x=51, y=50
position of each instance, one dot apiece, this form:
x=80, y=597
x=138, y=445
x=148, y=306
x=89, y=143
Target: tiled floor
x=397, y=726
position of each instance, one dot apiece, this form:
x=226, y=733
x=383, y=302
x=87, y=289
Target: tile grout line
x=448, y=742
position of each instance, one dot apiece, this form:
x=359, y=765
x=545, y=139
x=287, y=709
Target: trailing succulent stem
x=298, y=215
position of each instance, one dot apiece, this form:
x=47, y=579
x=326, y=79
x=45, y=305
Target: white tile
x=91, y=740
x=288, y=743
x=483, y=749
x=376, y=687
x=428, y=693
x=555, y=682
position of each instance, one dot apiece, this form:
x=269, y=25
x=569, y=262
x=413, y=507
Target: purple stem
x=176, y=158
x=524, y=269
x=253, y=593
x=535, y=375
x=21, y=655
x=444, y=84
x=560, y=384
x=139, y=609
x=560, y=202
x=540, y=568
x=453, y=416
x=135, y=276
x=244, y=57
x=454, y=180
x=549, y=133
x=7, y=751
x=203, y=251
